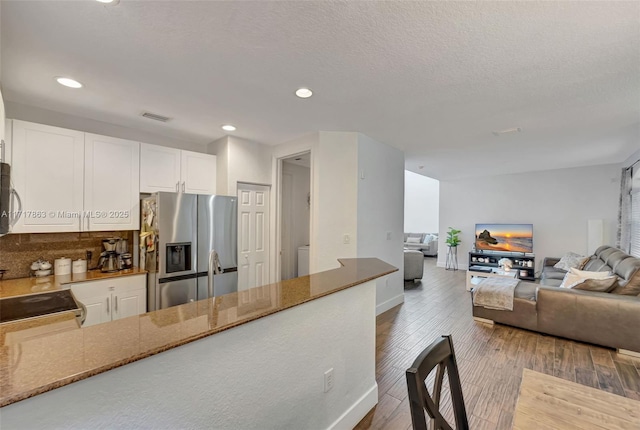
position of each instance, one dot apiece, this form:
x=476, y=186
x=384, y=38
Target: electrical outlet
x=346, y=239
x=328, y=380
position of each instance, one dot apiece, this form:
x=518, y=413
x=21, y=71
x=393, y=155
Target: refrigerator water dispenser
x=178, y=257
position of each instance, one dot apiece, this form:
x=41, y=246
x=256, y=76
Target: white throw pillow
x=413, y=240
x=570, y=260
x=590, y=275
x=576, y=277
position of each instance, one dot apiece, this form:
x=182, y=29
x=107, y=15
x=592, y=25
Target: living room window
x=634, y=245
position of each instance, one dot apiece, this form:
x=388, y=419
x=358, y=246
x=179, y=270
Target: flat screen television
x=504, y=237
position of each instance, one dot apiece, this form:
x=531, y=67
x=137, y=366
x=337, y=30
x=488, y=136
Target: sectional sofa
x=609, y=319
x=427, y=243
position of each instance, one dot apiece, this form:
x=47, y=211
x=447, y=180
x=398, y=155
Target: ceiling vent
x=156, y=117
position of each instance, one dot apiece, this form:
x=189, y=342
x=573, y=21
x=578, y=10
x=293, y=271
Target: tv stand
x=524, y=263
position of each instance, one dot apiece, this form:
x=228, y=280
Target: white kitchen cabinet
x=175, y=170
x=47, y=173
x=111, y=183
x=111, y=299
x=159, y=168
x=198, y=173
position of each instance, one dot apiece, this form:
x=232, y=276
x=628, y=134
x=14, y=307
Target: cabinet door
x=112, y=183
x=96, y=298
x=159, y=169
x=47, y=173
x=98, y=308
x=198, y=173
x=129, y=304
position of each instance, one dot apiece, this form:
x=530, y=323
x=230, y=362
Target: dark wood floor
x=490, y=358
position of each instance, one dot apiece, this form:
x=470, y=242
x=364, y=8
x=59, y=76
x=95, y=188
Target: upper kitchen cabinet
x=198, y=173
x=47, y=173
x=112, y=183
x=169, y=169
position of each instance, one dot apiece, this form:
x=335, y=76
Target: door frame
x=276, y=209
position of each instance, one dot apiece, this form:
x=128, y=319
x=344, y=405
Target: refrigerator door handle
x=210, y=273
x=214, y=269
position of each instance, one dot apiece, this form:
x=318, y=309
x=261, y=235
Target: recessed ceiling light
x=228, y=127
x=109, y=1
x=68, y=82
x=304, y=93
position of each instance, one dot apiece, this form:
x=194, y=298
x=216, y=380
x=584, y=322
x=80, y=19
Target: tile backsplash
x=18, y=251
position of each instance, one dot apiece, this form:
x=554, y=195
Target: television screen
x=504, y=237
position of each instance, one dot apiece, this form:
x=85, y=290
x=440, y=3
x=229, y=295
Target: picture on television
x=504, y=237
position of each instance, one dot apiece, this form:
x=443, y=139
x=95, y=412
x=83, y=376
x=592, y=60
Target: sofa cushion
x=603, y=285
x=569, y=260
x=551, y=272
x=596, y=265
x=413, y=240
x=525, y=290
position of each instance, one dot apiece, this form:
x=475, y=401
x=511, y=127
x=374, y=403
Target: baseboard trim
x=357, y=411
x=629, y=353
x=392, y=302
x=484, y=320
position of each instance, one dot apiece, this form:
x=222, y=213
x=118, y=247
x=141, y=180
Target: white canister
x=62, y=266
x=79, y=266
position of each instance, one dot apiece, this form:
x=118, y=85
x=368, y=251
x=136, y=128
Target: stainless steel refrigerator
x=189, y=247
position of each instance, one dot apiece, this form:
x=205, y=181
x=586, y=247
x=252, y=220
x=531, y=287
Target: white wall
x=334, y=199
x=59, y=119
x=220, y=148
x=342, y=204
x=240, y=160
x=557, y=202
x=380, y=215
x=266, y=374
x=298, y=219
x=421, y=203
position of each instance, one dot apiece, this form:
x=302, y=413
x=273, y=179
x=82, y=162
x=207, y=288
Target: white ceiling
x=431, y=78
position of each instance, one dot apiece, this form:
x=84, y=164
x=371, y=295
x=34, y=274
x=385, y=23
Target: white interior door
x=253, y=235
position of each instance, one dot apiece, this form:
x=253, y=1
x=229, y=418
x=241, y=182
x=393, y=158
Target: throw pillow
x=590, y=275
x=631, y=288
x=413, y=240
x=569, y=260
x=570, y=280
x=428, y=238
x=603, y=285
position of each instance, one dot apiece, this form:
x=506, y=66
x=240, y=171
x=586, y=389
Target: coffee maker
x=109, y=260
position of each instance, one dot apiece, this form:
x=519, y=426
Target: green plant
x=452, y=237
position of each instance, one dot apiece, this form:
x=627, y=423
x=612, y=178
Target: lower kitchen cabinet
x=111, y=299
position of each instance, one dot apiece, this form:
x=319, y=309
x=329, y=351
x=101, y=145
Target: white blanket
x=495, y=293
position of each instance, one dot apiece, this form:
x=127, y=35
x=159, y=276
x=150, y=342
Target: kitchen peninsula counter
x=45, y=284
x=37, y=363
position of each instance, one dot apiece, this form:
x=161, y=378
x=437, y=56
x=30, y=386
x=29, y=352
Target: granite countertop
x=26, y=286
x=47, y=353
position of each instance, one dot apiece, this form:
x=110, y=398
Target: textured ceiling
x=431, y=78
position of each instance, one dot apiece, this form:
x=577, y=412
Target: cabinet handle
x=108, y=305
x=183, y=186
x=14, y=221
x=178, y=187
x=116, y=304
